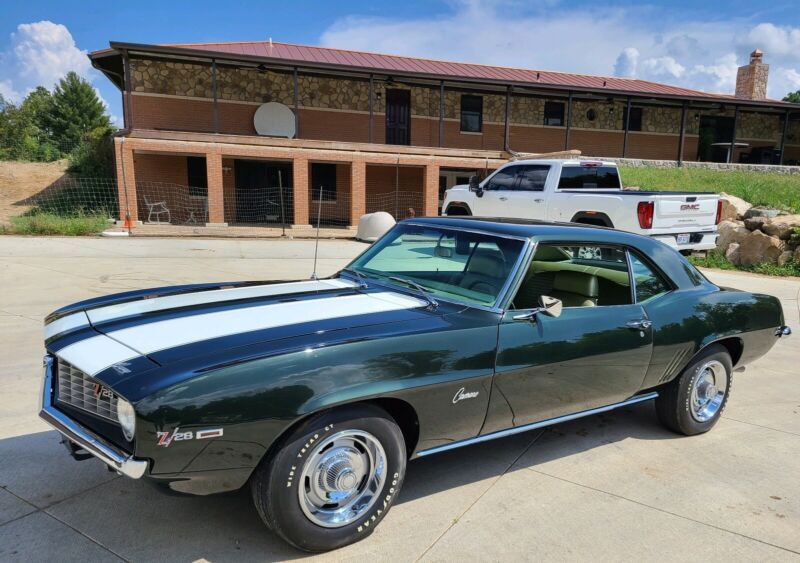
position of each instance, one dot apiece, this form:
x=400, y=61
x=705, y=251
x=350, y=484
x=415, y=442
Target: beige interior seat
x=486, y=272
x=575, y=289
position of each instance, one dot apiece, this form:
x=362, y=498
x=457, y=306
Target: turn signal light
x=645, y=213
x=719, y=212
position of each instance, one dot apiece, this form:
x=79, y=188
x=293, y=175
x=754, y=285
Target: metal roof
x=306, y=55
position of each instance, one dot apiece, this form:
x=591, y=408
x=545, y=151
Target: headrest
x=576, y=282
x=487, y=262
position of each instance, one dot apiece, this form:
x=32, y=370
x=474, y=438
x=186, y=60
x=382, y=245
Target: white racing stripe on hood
x=64, y=324
x=95, y=354
x=205, y=297
x=162, y=335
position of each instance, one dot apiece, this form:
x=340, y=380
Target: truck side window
x=589, y=178
x=533, y=177
x=503, y=180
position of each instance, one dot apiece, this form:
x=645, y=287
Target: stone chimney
x=751, y=80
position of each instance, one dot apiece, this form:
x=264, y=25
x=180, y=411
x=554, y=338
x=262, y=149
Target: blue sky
x=690, y=43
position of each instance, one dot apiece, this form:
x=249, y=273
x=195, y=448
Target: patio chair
x=198, y=213
x=156, y=208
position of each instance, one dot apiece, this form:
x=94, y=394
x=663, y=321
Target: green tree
x=76, y=110
x=793, y=97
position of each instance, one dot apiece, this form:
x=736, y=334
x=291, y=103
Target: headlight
x=127, y=418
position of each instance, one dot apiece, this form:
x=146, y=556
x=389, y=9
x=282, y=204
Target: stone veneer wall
x=250, y=85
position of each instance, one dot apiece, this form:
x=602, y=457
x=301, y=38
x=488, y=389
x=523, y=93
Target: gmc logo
x=690, y=207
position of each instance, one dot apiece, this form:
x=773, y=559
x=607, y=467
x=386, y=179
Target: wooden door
x=398, y=117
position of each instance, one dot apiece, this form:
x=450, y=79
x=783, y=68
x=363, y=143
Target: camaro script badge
x=461, y=394
x=166, y=438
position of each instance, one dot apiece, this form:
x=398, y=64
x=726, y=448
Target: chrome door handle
x=639, y=325
x=502, y=198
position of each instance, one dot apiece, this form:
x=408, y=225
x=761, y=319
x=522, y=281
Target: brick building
x=382, y=132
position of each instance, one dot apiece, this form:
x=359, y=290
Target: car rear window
x=588, y=178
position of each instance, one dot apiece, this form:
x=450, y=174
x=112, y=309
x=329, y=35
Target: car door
x=496, y=191
x=590, y=356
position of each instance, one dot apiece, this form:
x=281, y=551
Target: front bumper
x=84, y=438
x=705, y=241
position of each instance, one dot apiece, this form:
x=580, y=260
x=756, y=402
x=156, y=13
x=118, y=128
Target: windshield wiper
x=425, y=293
x=362, y=280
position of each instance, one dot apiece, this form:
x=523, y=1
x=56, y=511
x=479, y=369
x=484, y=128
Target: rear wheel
x=333, y=480
x=694, y=401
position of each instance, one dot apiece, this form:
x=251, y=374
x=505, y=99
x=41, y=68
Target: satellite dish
x=274, y=119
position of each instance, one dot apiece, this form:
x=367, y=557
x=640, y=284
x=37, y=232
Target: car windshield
x=464, y=266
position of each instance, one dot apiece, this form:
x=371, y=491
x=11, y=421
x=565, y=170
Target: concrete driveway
x=611, y=487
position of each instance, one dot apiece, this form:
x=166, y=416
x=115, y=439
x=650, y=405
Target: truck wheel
x=693, y=402
x=333, y=479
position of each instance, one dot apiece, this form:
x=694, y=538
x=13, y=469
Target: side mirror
x=549, y=306
x=475, y=185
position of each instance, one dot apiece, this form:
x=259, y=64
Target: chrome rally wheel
x=708, y=391
x=342, y=478
x=333, y=478
x=692, y=403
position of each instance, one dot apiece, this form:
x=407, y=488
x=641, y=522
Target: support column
x=627, y=128
x=430, y=191
x=126, y=182
x=216, y=194
x=358, y=190
x=300, y=201
x=682, y=139
x=783, y=134
x=732, y=150
x=569, y=122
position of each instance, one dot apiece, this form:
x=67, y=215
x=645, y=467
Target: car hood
x=113, y=336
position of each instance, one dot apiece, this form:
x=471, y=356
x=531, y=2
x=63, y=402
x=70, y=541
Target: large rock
x=784, y=257
x=762, y=211
x=733, y=207
x=729, y=232
x=732, y=253
x=782, y=226
x=755, y=223
x=759, y=248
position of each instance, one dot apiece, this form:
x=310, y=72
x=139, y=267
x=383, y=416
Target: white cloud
x=627, y=62
x=40, y=54
x=663, y=66
x=776, y=40
x=646, y=42
x=793, y=77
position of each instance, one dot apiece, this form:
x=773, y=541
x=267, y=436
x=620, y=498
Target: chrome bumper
x=83, y=437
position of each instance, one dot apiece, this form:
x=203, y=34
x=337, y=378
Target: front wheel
x=693, y=402
x=333, y=480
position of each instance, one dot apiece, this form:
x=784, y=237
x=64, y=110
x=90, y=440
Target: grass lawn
x=716, y=259
x=781, y=191
x=50, y=224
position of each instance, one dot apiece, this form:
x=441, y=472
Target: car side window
x=532, y=177
x=580, y=276
x=503, y=180
x=649, y=284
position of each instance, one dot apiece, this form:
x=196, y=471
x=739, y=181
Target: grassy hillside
x=781, y=191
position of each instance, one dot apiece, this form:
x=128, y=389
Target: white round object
x=373, y=226
x=275, y=120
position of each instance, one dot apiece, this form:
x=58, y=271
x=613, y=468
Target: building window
x=635, y=123
x=197, y=176
x=471, y=114
x=554, y=113
x=323, y=175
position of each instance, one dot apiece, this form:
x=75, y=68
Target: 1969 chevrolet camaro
x=444, y=333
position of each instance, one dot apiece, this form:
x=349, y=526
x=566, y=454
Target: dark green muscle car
x=444, y=333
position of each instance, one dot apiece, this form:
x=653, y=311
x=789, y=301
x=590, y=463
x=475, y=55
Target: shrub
x=50, y=224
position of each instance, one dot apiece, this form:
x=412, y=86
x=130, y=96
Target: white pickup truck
x=582, y=191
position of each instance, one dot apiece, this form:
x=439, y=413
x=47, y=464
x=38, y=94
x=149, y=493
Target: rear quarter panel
x=686, y=321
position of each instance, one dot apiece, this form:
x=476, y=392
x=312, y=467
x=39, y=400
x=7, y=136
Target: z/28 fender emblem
x=166, y=438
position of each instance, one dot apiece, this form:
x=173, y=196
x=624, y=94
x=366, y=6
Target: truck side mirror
x=475, y=185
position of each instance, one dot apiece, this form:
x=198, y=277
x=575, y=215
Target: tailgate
x=685, y=212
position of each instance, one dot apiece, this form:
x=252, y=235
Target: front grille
x=78, y=390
